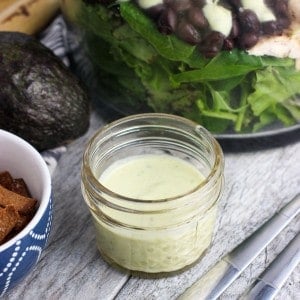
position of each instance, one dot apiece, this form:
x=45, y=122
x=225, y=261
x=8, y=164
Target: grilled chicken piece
x=285, y=45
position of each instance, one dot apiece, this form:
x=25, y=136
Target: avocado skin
x=41, y=100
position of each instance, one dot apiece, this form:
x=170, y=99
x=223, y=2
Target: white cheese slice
x=145, y=4
x=263, y=12
x=218, y=17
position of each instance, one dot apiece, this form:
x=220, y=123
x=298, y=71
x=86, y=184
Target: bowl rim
x=46, y=196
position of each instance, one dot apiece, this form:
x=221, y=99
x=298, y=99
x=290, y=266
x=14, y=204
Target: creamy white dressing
x=151, y=177
x=218, y=17
x=153, y=251
x=263, y=12
x=168, y=242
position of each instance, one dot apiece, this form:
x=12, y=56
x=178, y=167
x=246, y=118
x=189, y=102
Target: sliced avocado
x=41, y=100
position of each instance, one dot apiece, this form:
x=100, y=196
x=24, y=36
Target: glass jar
x=153, y=235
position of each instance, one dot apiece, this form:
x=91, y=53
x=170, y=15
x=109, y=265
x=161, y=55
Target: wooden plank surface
x=27, y=16
x=258, y=183
x=5, y=3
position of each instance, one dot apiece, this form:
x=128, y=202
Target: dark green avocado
x=41, y=100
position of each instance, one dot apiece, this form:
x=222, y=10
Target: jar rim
x=218, y=161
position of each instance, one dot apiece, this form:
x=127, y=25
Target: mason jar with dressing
x=152, y=183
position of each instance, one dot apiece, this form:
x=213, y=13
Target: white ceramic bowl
x=20, y=254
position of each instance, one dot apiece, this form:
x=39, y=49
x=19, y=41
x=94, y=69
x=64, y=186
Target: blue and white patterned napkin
x=55, y=38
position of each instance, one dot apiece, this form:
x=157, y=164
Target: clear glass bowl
x=132, y=67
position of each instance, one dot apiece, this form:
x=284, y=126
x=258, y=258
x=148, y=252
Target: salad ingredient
x=23, y=205
x=263, y=12
x=294, y=8
x=40, y=99
x=16, y=206
x=286, y=44
x=27, y=16
x=8, y=220
x=278, y=46
x=223, y=22
x=138, y=66
x=148, y=4
x=241, y=22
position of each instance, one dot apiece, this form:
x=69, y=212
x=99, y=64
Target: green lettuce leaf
x=147, y=70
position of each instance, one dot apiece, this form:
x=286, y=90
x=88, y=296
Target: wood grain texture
x=27, y=16
x=258, y=183
x=5, y=3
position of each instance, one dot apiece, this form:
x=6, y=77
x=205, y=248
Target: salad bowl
x=135, y=66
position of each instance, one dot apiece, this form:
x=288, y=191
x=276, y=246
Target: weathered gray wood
x=258, y=183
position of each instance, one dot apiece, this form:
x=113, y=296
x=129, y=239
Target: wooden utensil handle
x=28, y=16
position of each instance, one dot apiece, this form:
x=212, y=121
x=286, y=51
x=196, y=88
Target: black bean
x=283, y=23
x=197, y=18
x=155, y=11
x=167, y=21
x=212, y=44
x=228, y=44
x=236, y=3
x=199, y=3
x=281, y=9
x=247, y=40
x=249, y=21
x=270, y=3
x=187, y=32
x=179, y=5
x=185, y=18
x=235, y=30
x=271, y=28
